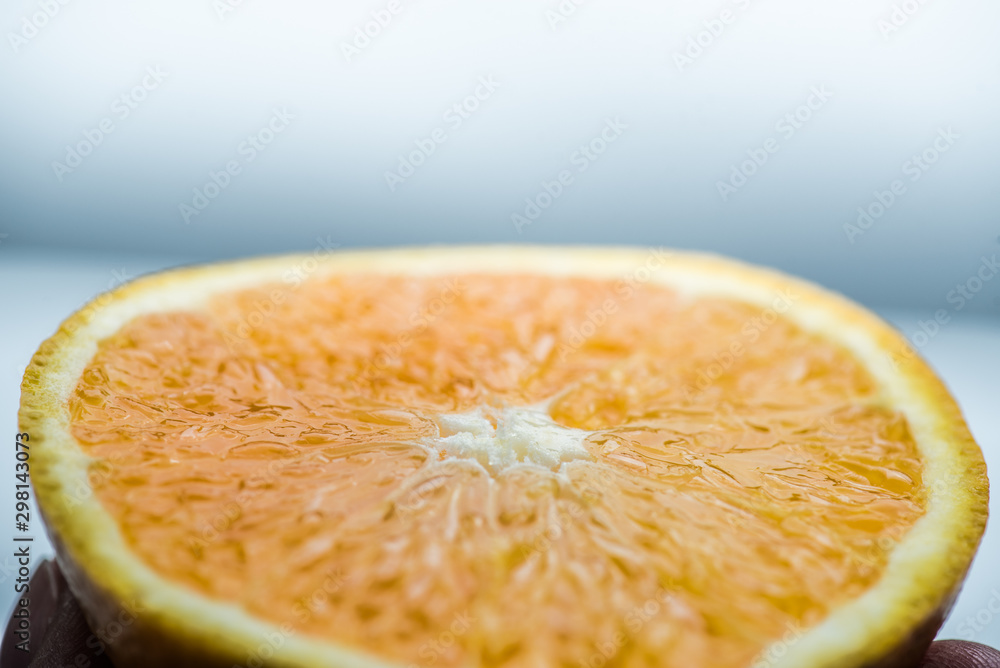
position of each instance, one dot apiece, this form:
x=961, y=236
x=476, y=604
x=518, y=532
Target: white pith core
x=499, y=438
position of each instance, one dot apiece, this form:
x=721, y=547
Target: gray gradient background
x=321, y=181
x=323, y=176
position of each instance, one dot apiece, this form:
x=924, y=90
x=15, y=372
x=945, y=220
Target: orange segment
x=517, y=470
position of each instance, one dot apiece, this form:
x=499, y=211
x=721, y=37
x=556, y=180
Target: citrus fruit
x=518, y=457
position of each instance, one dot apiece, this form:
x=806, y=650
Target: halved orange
x=484, y=457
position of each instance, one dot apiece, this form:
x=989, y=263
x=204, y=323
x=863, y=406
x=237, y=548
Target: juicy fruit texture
x=501, y=470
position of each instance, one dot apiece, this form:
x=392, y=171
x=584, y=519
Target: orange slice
x=500, y=457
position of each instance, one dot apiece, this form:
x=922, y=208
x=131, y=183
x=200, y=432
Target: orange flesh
x=281, y=450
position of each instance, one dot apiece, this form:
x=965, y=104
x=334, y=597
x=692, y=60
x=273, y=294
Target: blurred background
x=852, y=143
